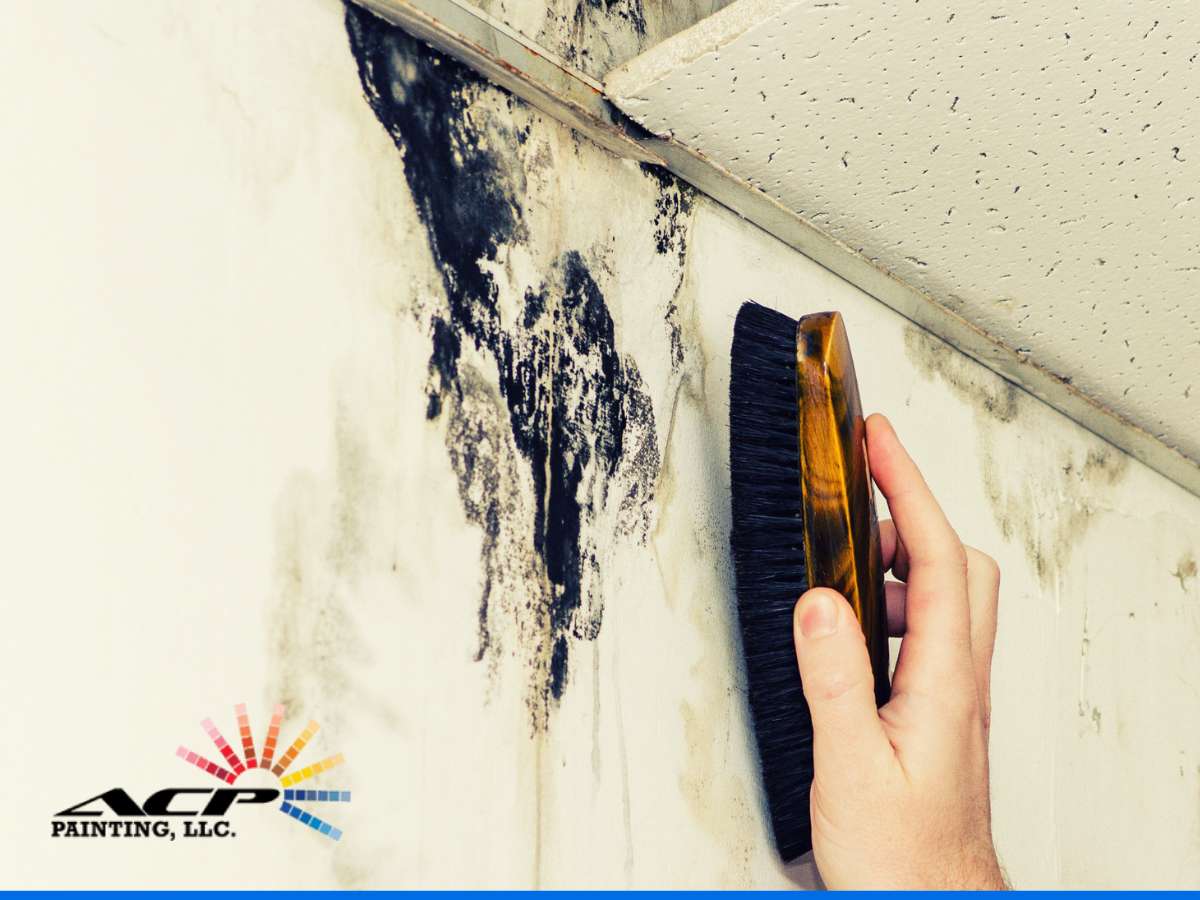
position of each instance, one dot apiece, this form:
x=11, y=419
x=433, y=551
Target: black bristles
x=768, y=558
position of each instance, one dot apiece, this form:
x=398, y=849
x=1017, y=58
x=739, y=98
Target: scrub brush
x=803, y=516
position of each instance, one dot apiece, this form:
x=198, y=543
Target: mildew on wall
x=547, y=424
x=579, y=418
x=595, y=35
x=1046, y=509
x=383, y=455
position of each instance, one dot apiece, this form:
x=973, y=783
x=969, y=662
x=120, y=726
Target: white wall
x=221, y=485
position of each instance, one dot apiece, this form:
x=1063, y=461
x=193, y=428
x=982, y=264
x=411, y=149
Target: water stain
x=717, y=780
x=993, y=396
x=319, y=559
x=1047, y=507
x=548, y=427
x=691, y=531
x=1185, y=570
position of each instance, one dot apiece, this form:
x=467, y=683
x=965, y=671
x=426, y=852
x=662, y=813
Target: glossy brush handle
x=841, y=533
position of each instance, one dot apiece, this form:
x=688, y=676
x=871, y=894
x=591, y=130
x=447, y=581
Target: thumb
x=838, y=685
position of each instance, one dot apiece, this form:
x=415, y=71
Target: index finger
x=937, y=640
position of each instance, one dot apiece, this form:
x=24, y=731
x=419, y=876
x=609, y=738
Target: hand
x=900, y=794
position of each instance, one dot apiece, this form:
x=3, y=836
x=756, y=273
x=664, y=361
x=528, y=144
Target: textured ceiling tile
x=1034, y=167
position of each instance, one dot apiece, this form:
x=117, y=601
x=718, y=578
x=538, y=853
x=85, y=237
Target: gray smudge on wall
x=547, y=425
x=1047, y=508
x=596, y=35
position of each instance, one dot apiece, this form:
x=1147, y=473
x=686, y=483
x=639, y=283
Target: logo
x=203, y=811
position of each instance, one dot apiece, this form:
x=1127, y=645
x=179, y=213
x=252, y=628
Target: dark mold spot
x=540, y=403
x=631, y=11
x=558, y=667
x=673, y=209
x=672, y=224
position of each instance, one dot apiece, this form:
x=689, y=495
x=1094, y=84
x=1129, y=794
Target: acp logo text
x=131, y=821
x=204, y=811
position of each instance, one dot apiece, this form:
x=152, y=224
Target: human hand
x=900, y=794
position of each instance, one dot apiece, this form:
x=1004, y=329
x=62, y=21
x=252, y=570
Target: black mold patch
x=672, y=211
x=672, y=225
x=578, y=419
x=631, y=11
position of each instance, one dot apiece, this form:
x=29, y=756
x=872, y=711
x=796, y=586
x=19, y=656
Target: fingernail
x=819, y=617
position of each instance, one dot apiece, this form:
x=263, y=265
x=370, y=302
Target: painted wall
x=341, y=379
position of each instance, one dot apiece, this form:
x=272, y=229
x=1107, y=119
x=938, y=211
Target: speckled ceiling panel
x=1035, y=167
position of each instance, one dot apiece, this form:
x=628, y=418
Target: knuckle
x=984, y=565
x=831, y=686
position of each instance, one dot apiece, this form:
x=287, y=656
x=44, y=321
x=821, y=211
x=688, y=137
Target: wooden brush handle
x=841, y=533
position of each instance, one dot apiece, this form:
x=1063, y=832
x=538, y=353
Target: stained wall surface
x=594, y=36
x=341, y=379
x=1027, y=165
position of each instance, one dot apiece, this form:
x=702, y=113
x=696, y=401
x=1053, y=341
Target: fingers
x=895, y=557
x=983, y=592
x=893, y=594
x=838, y=685
x=937, y=645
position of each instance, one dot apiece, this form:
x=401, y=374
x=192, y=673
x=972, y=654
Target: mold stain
x=547, y=426
x=1185, y=570
x=673, y=209
x=320, y=550
x=1090, y=716
x=597, y=35
x=713, y=781
x=672, y=215
x=1046, y=508
x=720, y=798
x=632, y=12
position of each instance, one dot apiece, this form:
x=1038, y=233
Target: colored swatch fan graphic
x=280, y=768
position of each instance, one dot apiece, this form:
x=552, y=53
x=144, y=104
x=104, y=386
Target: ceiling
x=1034, y=168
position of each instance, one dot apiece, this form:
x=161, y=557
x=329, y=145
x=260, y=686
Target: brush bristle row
x=769, y=561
